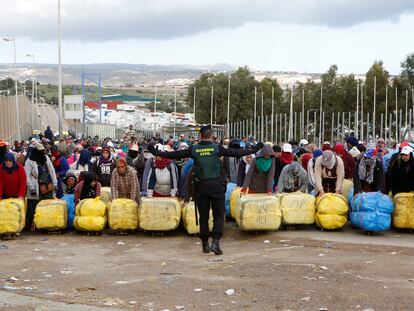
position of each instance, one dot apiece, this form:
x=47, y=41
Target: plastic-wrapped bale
x=70, y=204
x=371, y=211
x=90, y=215
x=229, y=191
x=12, y=216
x=106, y=195
x=331, y=211
x=188, y=218
x=297, y=208
x=234, y=196
x=404, y=210
x=51, y=215
x=347, y=186
x=159, y=214
x=123, y=214
x=257, y=212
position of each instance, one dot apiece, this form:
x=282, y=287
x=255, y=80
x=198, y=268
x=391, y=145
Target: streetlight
x=15, y=83
x=33, y=61
x=60, y=71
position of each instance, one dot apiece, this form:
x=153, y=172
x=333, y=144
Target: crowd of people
x=196, y=168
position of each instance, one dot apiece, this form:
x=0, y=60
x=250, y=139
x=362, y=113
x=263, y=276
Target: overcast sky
x=296, y=35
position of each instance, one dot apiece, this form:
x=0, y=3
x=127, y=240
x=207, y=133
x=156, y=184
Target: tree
x=408, y=69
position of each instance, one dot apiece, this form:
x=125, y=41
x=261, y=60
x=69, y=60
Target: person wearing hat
x=132, y=154
x=124, y=182
x=49, y=134
x=303, y=148
x=293, y=178
x=208, y=182
x=286, y=157
x=329, y=173
x=402, y=172
x=104, y=167
x=369, y=174
x=69, y=183
x=41, y=181
x=259, y=177
x=355, y=153
x=129, y=133
x=311, y=169
x=326, y=146
x=61, y=168
x=244, y=167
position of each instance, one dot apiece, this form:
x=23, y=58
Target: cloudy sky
x=296, y=35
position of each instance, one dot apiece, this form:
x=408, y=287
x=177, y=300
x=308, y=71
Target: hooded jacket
x=12, y=181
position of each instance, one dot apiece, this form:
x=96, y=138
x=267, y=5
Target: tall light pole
x=155, y=108
x=194, y=103
x=33, y=61
x=16, y=86
x=60, y=72
x=228, y=110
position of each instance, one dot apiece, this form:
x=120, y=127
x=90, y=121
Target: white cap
x=160, y=147
x=303, y=142
x=327, y=143
x=110, y=144
x=287, y=148
x=406, y=150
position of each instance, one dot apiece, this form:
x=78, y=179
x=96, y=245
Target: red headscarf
x=305, y=159
x=340, y=150
x=286, y=157
x=326, y=147
x=162, y=163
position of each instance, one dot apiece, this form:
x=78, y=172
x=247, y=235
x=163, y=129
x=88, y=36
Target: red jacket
x=13, y=185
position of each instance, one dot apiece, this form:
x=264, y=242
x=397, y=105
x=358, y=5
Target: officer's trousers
x=210, y=193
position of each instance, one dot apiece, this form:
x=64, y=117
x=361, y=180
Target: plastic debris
x=323, y=268
x=179, y=307
x=3, y=246
x=65, y=272
x=47, y=275
x=321, y=255
x=369, y=309
x=43, y=239
x=393, y=253
x=230, y=292
x=163, y=264
x=121, y=282
x=37, y=250
x=120, y=243
x=329, y=245
x=133, y=302
x=197, y=290
x=306, y=299
x=266, y=241
x=323, y=309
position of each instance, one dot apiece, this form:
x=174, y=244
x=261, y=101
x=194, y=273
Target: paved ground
x=285, y=270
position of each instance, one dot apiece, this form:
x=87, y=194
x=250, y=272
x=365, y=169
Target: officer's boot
x=206, y=247
x=215, y=247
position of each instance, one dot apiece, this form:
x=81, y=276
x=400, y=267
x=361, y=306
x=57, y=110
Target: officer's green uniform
x=209, y=187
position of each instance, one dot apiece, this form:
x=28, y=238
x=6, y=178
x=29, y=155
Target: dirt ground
x=267, y=271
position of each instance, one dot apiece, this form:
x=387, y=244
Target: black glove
x=258, y=146
x=33, y=191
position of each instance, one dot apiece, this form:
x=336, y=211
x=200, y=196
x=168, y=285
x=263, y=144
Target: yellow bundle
x=233, y=198
x=89, y=223
x=123, y=214
x=12, y=216
x=297, y=208
x=106, y=195
x=90, y=215
x=257, y=212
x=188, y=217
x=51, y=215
x=403, y=217
x=331, y=211
x=159, y=214
x=91, y=207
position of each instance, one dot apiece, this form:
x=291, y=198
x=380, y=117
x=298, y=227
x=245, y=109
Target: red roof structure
x=110, y=104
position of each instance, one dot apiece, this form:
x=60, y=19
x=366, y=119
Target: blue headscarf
x=10, y=157
x=84, y=158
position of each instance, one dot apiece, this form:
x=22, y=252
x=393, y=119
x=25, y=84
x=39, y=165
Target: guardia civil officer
x=209, y=184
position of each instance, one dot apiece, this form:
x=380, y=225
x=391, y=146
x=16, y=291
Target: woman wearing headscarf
x=244, y=168
x=329, y=173
x=83, y=164
x=61, y=168
x=260, y=176
x=293, y=178
x=12, y=178
x=369, y=174
x=160, y=177
x=349, y=162
x=88, y=188
x=132, y=154
x=41, y=181
x=104, y=167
